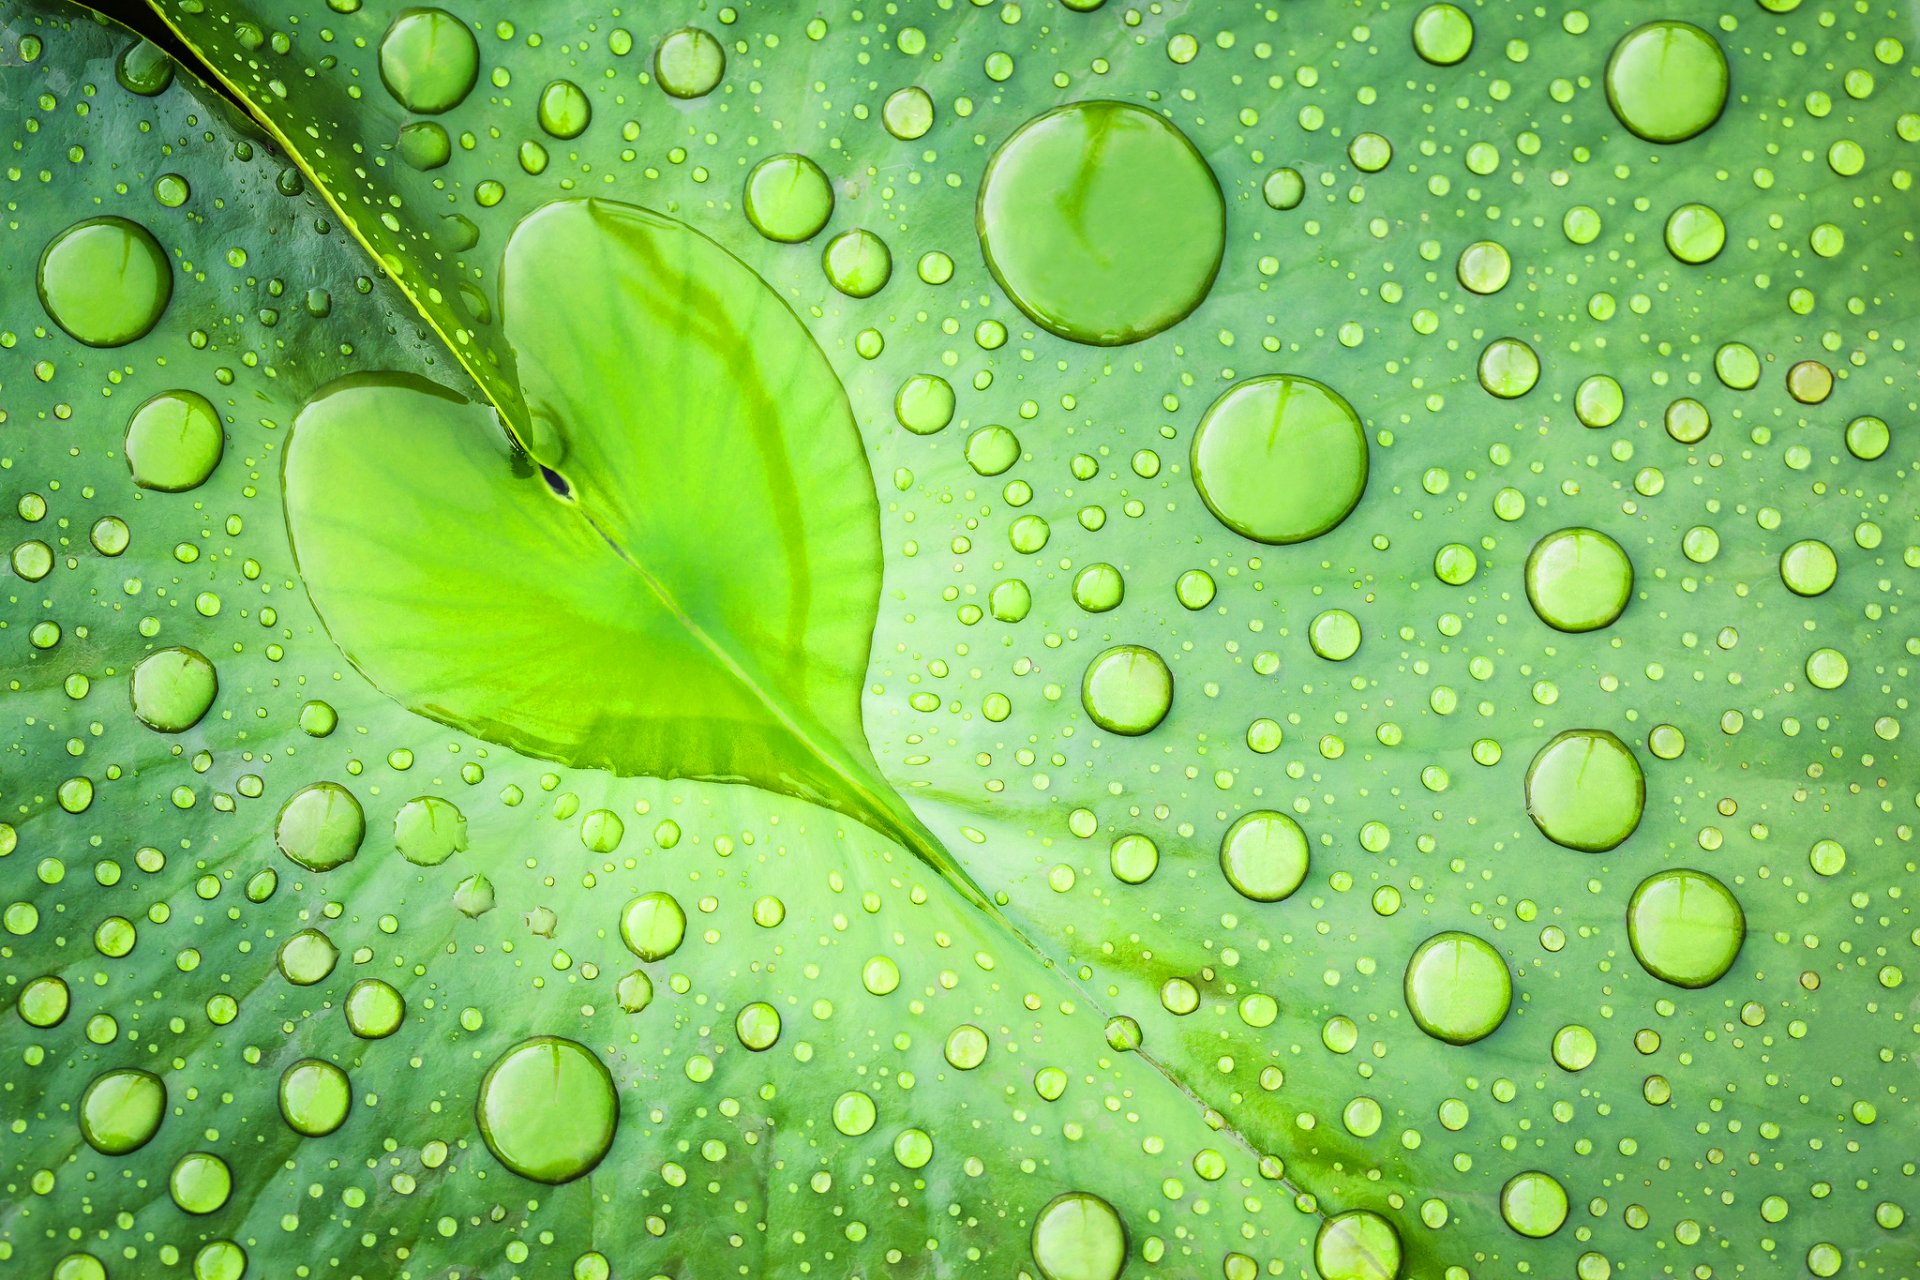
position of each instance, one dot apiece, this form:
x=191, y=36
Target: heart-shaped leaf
x=683, y=585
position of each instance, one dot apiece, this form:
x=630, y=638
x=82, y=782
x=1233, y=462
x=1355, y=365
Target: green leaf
x=1325, y=1078
x=680, y=582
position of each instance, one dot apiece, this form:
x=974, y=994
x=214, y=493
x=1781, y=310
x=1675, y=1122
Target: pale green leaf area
x=577, y=718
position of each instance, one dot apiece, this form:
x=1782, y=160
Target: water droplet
x=1509, y=368
x=857, y=263
x=1695, y=233
x=321, y=827
x=1134, y=859
x=428, y=830
x=1458, y=988
x=1534, y=1204
x=1280, y=459
x=548, y=1110
x=1334, y=634
x=105, y=281
x=1264, y=855
x=1284, y=189
x=1686, y=927
x=1127, y=689
x=634, y=992
x=1574, y=1048
x=174, y=441
x=374, y=1009
x=564, y=111
x=992, y=450
x=1868, y=437
x=966, y=1047
x=122, y=1110
x=924, y=404
x=144, y=68
x=1827, y=668
x=307, y=957
x=758, y=1026
x=854, y=1113
x=1585, y=790
x=200, y=1182
x=653, y=925
x=1357, y=1245
x=425, y=146
x=908, y=113
x=1484, y=266
x=1099, y=588
x=1077, y=199
x=1079, y=1236
x=1667, y=81
x=1578, y=579
x=315, y=1097
x=689, y=63
x=1809, y=567
x=788, y=198
x=1443, y=34
x=172, y=689
x=428, y=60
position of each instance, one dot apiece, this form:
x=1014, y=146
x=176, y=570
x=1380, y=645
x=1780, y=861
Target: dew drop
x=1127, y=690
x=428, y=60
x=689, y=63
x=1443, y=34
x=321, y=827
x=1077, y=199
x=547, y=1109
x=1667, y=81
x=1357, y=1245
x=1534, y=1204
x=105, y=281
x=1585, y=790
x=122, y=1110
x=428, y=830
x=374, y=1009
x=200, y=1182
x=1079, y=1236
x=1578, y=579
x=1264, y=855
x=653, y=925
x=1686, y=927
x=1458, y=988
x=857, y=263
x=172, y=689
x=1280, y=459
x=788, y=198
x=315, y=1097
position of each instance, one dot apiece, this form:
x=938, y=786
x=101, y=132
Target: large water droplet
x=321, y=826
x=121, y=1110
x=1264, y=855
x=1667, y=81
x=1534, y=1204
x=172, y=689
x=653, y=925
x=689, y=63
x=1357, y=1245
x=428, y=830
x=1578, y=579
x=315, y=1097
x=788, y=198
x=1127, y=690
x=1102, y=222
x=105, y=281
x=1079, y=1236
x=564, y=111
x=200, y=1182
x=1280, y=458
x=1443, y=34
x=174, y=441
x=374, y=1009
x=1458, y=987
x=1585, y=790
x=548, y=1110
x=1686, y=927
x=428, y=60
